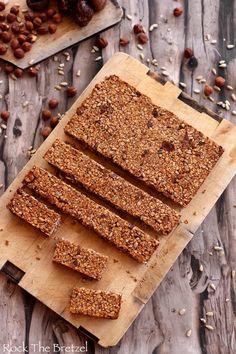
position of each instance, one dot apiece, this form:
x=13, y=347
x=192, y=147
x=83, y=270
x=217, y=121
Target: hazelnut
x=26, y=46
x=2, y=6
x=102, y=43
x=18, y=72
x=46, y=114
x=46, y=131
x=219, y=81
x=2, y=17
x=51, y=12
x=32, y=71
x=37, y=22
x=21, y=38
x=52, y=28
x=42, y=30
x=29, y=16
x=19, y=53
x=98, y=5
x=5, y=115
x=188, y=53
x=142, y=38
x=14, y=10
x=138, y=28
x=15, y=43
x=71, y=91
x=54, y=121
x=124, y=41
x=15, y=28
x=43, y=16
x=53, y=103
x=3, y=49
x=11, y=18
x=6, y=37
x=31, y=38
x=57, y=18
x=208, y=90
x=29, y=25
x=8, y=68
x=177, y=12
x=24, y=32
x=4, y=26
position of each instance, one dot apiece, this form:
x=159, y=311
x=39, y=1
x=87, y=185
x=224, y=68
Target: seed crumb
x=182, y=312
x=188, y=333
x=201, y=268
x=209, y=314
x=211, y=328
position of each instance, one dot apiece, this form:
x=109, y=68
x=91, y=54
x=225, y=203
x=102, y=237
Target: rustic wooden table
x=159, y=328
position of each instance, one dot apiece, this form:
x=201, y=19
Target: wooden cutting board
x=67, y=34
x=32, y=254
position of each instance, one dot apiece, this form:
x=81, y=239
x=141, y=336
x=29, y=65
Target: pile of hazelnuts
x=19, y=34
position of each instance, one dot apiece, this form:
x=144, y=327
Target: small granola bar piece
x=34, y=212
x=150, y=142
x=83, y=260
x=95, y=303
x=125, y=236
x=80, y=168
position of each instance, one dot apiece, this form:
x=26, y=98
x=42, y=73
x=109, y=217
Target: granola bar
x=34, y=212
x=111, y=187
x=96, y=303
x=83, y=260
x=150, y=142
x=108, y=225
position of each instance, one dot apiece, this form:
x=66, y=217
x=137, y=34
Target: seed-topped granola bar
x=150, y=142
x=96, y=303
x=34, y=212
x=83, y=260
x=125, y=236
x=111, y=187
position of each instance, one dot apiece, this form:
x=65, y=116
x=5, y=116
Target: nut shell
x=83, y=13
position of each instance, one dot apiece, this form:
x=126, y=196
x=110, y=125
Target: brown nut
x=57, y=18
x=32, y=71
x=2, y=17
x=46, y=114
x=15, y=43
x=26, y=46
x=124, y=41
x=6, y=37
x=43, y=16
x=4, y=26
x=98, y=5
x=29, y=25
x=3, y=49
x=37, y=22
x=29, y=16
x=71, y=91
x=138, y=28
x=208, y=90
x=18, y=72
x=102, y=43
x=11, y=18
x=54, y=121
x=142, y=38
x=219, y=81
x=15, y=28
x=14, y=10
x=8, y=68
x=188, y=53
x=19, y=53
x=53, y=103
x=5, y=115
x=50, y=12
x=46, y=131
x=177, y=12
x=52, y=28
x=21, y=38
x=83, y=13
x=31, y=38
x=42, y=30
x=2, y=6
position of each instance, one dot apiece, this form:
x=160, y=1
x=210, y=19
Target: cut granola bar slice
x=111, y=187
x=111, y=227
x=34, y=212
x=83, y=260
x=96, y=303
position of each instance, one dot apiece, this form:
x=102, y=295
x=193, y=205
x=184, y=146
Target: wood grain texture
x=158, y=329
